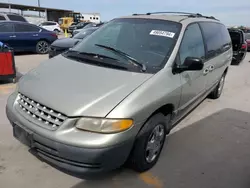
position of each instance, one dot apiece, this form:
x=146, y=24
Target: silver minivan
x=115, y=96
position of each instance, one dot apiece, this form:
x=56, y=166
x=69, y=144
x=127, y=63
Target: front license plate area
x=22, y=135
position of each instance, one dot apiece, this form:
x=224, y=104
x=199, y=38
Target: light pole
x=9, y=6
x=38, y=2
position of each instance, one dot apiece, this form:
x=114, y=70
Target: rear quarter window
x=16, y=18
x=216, y=37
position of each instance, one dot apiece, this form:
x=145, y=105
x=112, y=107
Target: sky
x=229, y=12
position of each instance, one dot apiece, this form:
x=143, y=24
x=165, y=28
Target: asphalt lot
x=209, y=148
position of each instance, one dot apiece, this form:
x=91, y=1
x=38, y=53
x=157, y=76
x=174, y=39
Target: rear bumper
x=70, y=159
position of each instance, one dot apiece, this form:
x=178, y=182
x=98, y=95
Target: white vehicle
x=94, y=18
x=51, y=26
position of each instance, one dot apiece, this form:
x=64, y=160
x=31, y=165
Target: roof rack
x=191, y=15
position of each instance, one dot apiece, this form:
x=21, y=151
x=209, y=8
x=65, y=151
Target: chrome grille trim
x=39, y=113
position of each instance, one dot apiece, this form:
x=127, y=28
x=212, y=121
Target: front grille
x=39, y=113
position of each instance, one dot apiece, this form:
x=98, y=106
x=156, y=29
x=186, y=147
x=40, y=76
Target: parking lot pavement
x=209, y=148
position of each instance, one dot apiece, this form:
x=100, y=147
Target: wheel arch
x=166, y=109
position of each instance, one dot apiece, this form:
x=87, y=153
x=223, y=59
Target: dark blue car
x=23, y=36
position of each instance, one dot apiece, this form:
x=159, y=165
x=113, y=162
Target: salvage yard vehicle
x=51, y=26
x=247, y=37
x=90, y=25
x=115, y=96
x=11, y=17
x=62, y=45
x=23, y=36
x=239, y=45
x=78, y=26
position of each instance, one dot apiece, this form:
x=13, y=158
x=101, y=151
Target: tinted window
x=16, y=18
x=192, y=44
x=51, y=23
x=235, y=36
x=147, y=40
x=6, y=28
x=26, y=28
x=226, y=40
x=216, y=37
x=2, y=18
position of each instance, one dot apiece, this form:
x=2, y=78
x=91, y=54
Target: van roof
x=174, y=16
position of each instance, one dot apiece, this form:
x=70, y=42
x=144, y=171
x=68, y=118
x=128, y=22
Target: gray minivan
x=115, y=96
x=11, y=17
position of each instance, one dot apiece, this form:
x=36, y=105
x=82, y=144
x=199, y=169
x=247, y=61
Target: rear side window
x=216, y=38
x=226, y=39
x=6, y=28
x=2, y=18
x=16, y=18
x=26, y=28
x=51, y=23
x=192, y=44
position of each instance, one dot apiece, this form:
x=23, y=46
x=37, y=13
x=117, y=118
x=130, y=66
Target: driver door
x=193, y=82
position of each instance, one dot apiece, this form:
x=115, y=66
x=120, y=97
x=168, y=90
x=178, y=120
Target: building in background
x=35, y=14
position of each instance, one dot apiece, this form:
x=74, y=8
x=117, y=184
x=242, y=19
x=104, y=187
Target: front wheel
x=42, y=47
x=216, y=93
x=149, y=144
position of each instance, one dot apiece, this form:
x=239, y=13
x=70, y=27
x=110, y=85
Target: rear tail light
x=244, y=46
x=53, y=35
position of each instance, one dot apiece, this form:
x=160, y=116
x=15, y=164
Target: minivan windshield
x=148, y=41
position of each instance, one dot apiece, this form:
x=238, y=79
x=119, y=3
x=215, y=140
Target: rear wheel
x=56, y=31
x=42, y=47
x=149, y=144
x=216, y=93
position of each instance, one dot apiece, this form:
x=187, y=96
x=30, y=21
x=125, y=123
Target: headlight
x=104, y=125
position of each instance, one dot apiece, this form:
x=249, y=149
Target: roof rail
x=192, y=15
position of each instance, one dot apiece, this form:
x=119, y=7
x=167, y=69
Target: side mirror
x=190, y=64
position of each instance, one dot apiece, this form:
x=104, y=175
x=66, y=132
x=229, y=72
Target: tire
x=56, y=31
x=147, y=144
x=42, y=47
x=216, y=93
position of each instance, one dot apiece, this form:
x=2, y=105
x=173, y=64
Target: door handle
x=35, y=35
x=211, y=68
x=13, y=36
x=206, y=71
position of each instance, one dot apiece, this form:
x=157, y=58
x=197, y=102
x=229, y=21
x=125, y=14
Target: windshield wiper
x=94, y=55
x=123, y=54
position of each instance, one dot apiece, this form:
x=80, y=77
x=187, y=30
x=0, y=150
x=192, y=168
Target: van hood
x=78, y=89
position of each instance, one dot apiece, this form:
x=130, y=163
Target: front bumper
x=68, y=158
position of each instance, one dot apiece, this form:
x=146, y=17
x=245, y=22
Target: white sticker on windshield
x=162, y=33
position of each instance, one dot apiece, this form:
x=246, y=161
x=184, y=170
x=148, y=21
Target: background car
x=61, y=45
x=91, y=25
x=51, y=26
x=23, y=36
x=77, y=26
x=239, y=45
x=12, y=17
x=247, y=37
